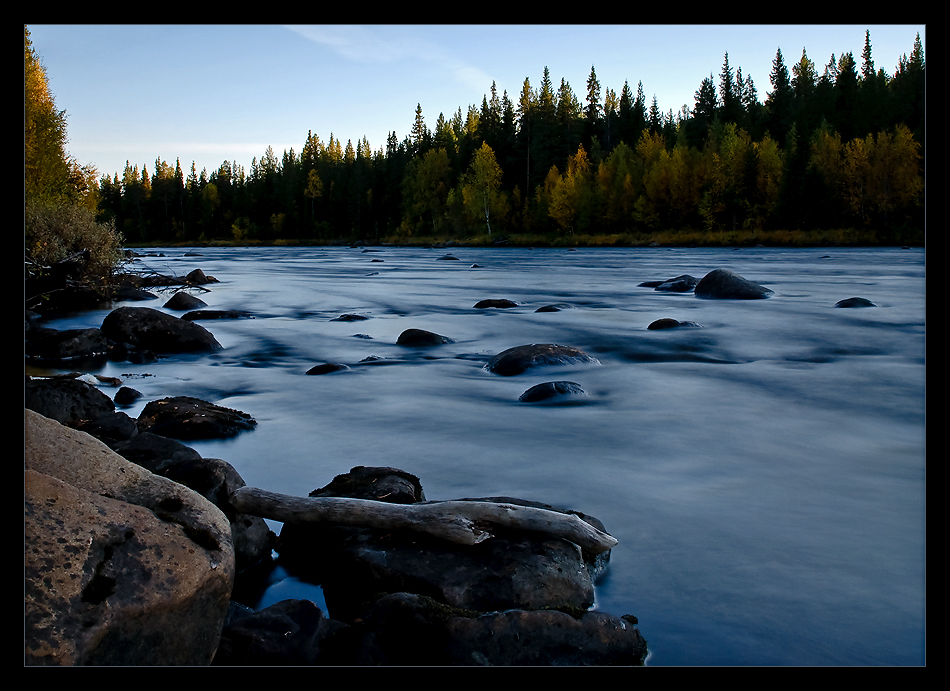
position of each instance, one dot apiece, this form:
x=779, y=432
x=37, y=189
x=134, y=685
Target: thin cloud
x=370, y=45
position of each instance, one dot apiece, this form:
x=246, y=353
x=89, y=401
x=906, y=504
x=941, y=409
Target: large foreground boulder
x=121, y=567
x=724, y=284
x=514, y=569
x=145, y=328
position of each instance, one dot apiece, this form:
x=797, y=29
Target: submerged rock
x=855, y=302
x=420, y=337
x=724, y=284
x=327, y=368
x=667, y=323
x=498, y=303
x=551, y=391
x=184, y=301
x=518, y=359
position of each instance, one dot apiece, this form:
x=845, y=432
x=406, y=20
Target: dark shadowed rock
x=41, y=343
x=327, y=368
x=126, y=396
x=198, y=278
x=557, y=307
x=727, y=285
x=185, y=417
x=552, y=391
x=855, y=302
x=499, y=303
x=420, y=337
x=349, y=318
x=667, y=323
x=289, y=632
x=410, y=629
x=680, y=284
x=184, y=301
x=68, y=401
x=520, y=358
x=144, y=328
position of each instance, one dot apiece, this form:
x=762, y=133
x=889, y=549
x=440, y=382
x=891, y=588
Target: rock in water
x=552, y=391
x=855, y=302
x=727, y=285
x=499, y=303
x=147, y=328
x=185, y=417
x=518, y=359
x=420, y=337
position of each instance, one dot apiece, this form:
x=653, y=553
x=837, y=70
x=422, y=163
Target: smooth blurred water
x=764, y=474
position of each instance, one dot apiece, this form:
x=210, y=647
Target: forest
x=835, y=150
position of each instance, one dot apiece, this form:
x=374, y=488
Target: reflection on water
x=764, y=474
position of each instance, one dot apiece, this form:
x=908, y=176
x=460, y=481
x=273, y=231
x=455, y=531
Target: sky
x=206, y=94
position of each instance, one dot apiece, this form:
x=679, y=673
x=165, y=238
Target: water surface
x=764, y=474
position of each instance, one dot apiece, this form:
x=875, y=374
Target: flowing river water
x=764, y=474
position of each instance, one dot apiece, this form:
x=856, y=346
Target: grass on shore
x=684, y=238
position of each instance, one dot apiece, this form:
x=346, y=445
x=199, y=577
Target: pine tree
x=780, y=102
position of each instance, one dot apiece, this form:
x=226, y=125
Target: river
x=764, y=474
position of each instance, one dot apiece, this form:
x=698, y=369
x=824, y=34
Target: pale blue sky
x=210, y=93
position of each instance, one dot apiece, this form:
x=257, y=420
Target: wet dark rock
x=198, y=315
x=184, y=301
x=110, y=428
x=855, y=302
x=289, y=632
x=513, y=569
x=679, y=284
x=553, y=308
x=41, y=343
x=449, y=257
x=126, y=396
x=155, y=452
x=520, y=358
x=552, y=391
x=667, y=323
x=421, y=338
x=186, y=418
x=349, y=318
x=68, y=401
x=199, y=278
x=724, y=284
x=411, y=629
x=144, y=328
x=327, y=368
x=497, y=303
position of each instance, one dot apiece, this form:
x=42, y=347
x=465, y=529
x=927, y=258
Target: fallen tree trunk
x=460, y=522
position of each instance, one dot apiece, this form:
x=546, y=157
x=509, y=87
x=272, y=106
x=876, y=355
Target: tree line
x=840, y=148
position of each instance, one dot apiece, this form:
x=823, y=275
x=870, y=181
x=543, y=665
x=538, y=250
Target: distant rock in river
x=727, y=285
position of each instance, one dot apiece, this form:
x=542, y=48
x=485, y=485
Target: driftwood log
x=460, y=522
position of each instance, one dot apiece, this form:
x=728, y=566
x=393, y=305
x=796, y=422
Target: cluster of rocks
x=134, y=552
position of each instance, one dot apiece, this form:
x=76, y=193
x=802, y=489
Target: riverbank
x=838, y=237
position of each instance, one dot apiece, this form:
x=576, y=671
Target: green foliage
x=547, y=166
x=55, y=232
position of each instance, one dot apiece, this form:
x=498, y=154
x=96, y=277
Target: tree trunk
x=460, y=522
